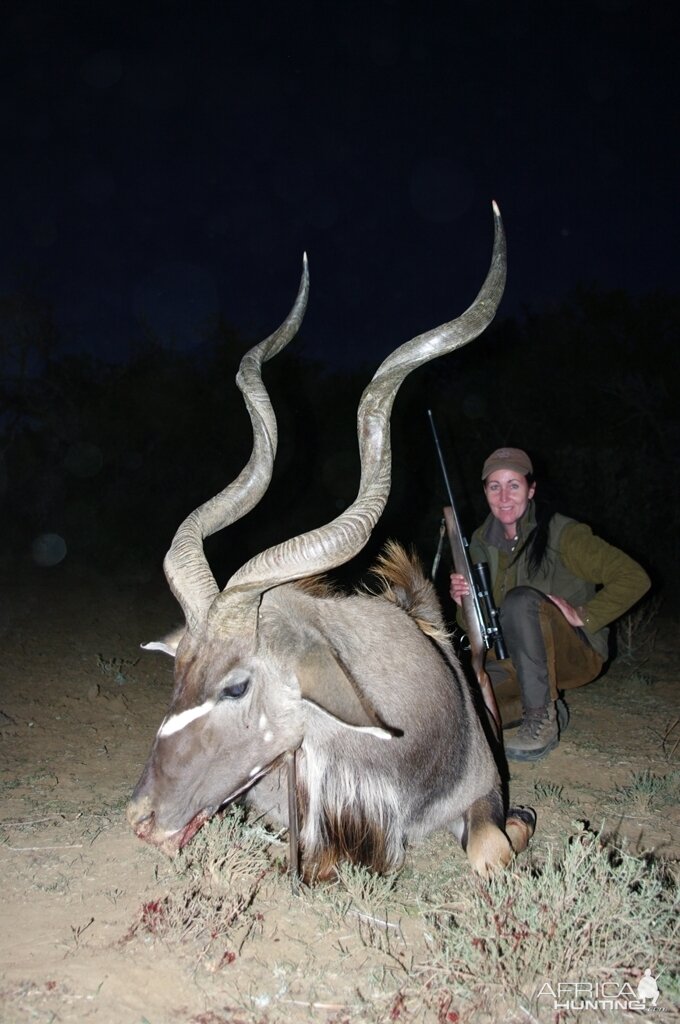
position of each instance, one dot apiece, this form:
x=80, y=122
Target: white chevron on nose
x=176, y=722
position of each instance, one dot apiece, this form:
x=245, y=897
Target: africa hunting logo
x=602, y=995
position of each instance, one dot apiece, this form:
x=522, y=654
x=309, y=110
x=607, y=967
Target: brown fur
x=347, y=836
x=487, y=846
x=402, y=581
x=317, y=586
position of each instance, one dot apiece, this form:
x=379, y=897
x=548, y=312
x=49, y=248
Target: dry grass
x=648, y=791
x=216, y=882
x=450, y=948
x=637, y=631
x=589, y=913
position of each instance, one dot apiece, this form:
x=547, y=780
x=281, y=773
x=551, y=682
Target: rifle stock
x=461, y=563
x=472, y=613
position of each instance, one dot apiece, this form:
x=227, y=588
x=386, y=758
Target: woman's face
x=508, y=494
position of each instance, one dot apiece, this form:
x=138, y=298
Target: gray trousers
x=545, y=654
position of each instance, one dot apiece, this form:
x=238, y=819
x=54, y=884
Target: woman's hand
x=458, y=588
x=568, y=610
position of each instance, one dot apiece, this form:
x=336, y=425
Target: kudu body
x=366, y=687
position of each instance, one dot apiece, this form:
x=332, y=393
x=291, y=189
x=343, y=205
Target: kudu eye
x=234, y=686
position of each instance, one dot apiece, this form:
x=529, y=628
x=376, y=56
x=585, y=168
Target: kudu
x=366, y=687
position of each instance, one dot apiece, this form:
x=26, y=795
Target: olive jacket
x=599, y=580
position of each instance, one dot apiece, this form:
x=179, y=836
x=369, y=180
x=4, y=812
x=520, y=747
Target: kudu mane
x=401, y=580
x=398, y=577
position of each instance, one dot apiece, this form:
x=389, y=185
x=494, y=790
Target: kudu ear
x=169, y=643
x=325, y=682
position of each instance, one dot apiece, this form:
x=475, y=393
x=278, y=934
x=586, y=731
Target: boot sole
x=531, y=755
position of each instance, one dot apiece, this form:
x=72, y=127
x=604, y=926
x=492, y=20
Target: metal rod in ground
x=293, y=843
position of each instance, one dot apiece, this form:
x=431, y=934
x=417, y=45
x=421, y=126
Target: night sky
x=170, y=162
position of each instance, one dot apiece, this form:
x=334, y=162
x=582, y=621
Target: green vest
x=552, y=577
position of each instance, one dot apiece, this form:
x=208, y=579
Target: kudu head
x=246, y=669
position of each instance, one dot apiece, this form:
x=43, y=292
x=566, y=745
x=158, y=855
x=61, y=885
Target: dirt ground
x=79, y=706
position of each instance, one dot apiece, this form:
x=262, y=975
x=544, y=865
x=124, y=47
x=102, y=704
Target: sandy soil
x=79, y=706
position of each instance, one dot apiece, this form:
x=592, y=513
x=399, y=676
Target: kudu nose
x=139, y=811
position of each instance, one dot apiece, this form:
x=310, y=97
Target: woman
x=557, y=587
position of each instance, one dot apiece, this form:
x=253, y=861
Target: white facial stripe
x=177, y=722
x=263, y=721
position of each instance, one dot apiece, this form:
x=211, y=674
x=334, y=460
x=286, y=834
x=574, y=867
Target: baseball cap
x=507, y=458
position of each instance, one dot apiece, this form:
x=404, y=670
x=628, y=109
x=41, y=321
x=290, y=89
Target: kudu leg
x=519, y=827
x=490, y=839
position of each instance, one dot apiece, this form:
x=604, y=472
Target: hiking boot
x=537, y=735
x=512, y=713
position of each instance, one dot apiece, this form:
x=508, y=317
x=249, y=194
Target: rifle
x=481, y=614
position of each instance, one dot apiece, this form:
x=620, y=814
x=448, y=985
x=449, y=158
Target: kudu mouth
x=170, y=843
x=142, y=817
